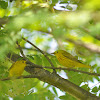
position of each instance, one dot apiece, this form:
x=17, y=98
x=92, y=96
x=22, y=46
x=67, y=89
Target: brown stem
x=90, y=46
x=20, y=50
x=40, y=51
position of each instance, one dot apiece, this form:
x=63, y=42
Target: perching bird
x=67, y=60
x=17, y=68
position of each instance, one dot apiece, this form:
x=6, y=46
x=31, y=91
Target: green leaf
x=54, y=2
x=3, y=4
x=30, y=57
x=85, y=87
x=67, y=96
x=55, y=91
x=37, y=59
x=28, y=97
x=95, y=89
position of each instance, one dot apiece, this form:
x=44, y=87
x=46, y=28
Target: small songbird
x=67, y=60
x=17, y=68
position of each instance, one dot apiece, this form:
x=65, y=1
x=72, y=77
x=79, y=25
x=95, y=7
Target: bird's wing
x=69, y=56
x=11, y=66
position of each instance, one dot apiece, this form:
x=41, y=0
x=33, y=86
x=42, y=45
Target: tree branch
x=20, y=50
x=62, y=84
x=15, y=57
x=89, y=46
x=60, y=68
x=59, y=82
x=41, y=52
x=3, y=21
x=97, y=36
x=20, y=77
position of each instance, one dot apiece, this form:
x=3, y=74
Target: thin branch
x=41, y=52
x=20, y=50
x=95, y=85
x=60, y=68
x=90, y=46
x=3, y=20
x=97, y=36
x=20, y=77
x=32, y=66
x=69, y=69
x=28, y=48
x=23, y=54
x=33, y=50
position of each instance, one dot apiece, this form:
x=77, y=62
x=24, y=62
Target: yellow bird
x=17, y=68
x=67, y=60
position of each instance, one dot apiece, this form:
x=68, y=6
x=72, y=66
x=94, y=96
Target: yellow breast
x=17, y=68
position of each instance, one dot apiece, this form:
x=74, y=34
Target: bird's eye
x=23, y=61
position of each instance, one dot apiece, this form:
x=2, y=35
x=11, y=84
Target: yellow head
x=58, y=52
x=22, y=62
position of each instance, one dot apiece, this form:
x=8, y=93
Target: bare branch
x=32, y=66
x=3, y=21
x=20, y=50
x=69, y=69
x=96, y=36
x=41, y=52
x=90, y=46
x=20, y=77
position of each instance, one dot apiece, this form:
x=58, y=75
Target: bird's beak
x=53, y=53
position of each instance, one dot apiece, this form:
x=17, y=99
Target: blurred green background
x=72, y=25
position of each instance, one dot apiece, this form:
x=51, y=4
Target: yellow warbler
x=67, y=60
x=17, y=68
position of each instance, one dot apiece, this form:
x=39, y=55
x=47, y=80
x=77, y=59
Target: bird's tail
x=82, y=65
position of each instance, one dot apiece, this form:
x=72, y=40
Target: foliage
x=75, y=28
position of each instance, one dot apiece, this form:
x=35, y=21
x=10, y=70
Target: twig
x=20, y=77
x=89, y=32
x=20, y=50
x=23, y=54
x=90, y=46
x=38, y=66
x=60, y=68
x=41, y=52
x=94, y=85
x=33, y=50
